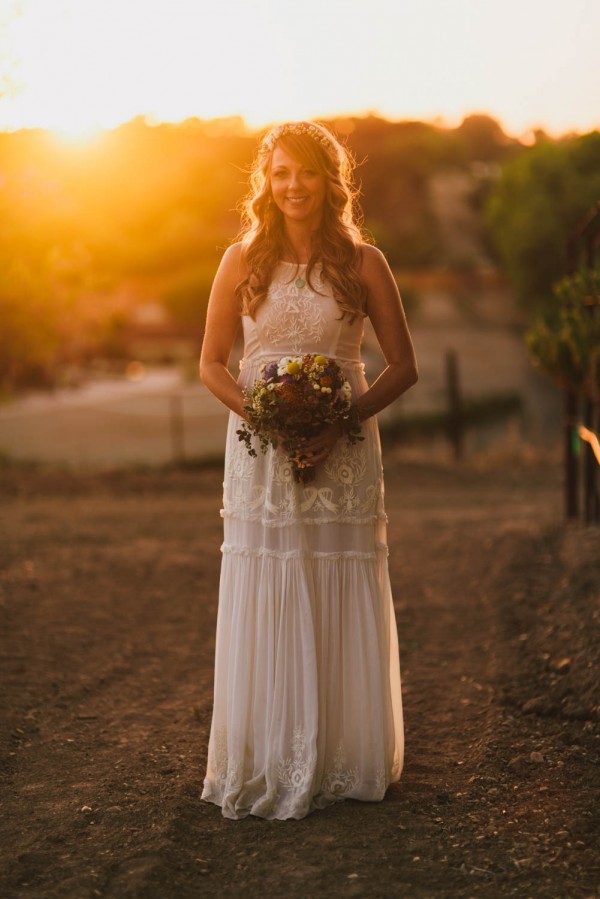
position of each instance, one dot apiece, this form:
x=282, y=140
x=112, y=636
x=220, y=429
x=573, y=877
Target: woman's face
x=298, y=190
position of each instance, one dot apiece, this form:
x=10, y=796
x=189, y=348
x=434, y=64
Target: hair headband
x=313, y=131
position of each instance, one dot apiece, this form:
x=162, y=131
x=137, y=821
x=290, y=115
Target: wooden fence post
x=455, y=406
x=571, y=450
x=177, y=428
x=590, y=468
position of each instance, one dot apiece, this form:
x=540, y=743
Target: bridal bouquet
x=293, y=399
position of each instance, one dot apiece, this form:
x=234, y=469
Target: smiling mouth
x=297, y=199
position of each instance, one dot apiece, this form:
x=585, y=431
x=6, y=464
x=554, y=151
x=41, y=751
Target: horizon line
x=255, y=127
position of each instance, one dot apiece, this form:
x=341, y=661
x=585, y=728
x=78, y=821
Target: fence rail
x=115, y=422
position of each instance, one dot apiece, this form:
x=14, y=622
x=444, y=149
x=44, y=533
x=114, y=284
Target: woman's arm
x=222, y=322
x=384, y=308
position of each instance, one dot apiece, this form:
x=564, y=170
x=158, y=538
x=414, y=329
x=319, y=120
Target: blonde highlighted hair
x=336, y=244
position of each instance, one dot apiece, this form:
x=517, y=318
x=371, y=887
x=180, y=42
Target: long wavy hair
x=336, y=244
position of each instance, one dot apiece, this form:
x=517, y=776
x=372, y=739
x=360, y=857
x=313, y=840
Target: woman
x=307, y=704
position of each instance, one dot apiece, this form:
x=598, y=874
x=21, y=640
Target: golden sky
x=79, y=65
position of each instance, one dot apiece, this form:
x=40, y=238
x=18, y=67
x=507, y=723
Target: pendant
x=300, y=282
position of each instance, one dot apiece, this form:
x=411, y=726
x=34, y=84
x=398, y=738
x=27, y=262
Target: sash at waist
x=260, y=358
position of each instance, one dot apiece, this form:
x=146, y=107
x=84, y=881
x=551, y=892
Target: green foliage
x=186, y=297
x=482, y=139
x=565, y=338
x=540, y=198
x=396, y=163
x=29, y=333
x=52, y=312
x=87, y=233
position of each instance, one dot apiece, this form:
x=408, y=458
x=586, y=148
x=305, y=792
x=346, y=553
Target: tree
x=484, y=138
x=564, y=339
x=540, y=198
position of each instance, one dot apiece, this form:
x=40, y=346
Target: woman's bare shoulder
x=371, y=255
x=233, y=261
x=373, y=263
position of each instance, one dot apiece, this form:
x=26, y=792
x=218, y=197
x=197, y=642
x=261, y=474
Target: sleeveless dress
x=307, y=695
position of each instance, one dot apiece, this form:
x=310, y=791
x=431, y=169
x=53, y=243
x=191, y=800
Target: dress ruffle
x=307, y=714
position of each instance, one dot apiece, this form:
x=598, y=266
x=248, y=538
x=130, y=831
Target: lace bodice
x=349, y=486
x=296, y=319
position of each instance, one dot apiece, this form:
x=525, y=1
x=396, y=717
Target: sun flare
x=76, y=133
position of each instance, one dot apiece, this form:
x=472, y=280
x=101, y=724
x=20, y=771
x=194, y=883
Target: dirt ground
x=107, y=610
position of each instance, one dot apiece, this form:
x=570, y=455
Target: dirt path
x=108, y=601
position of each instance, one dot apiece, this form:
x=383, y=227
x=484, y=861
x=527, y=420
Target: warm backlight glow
x=76, y=66
x=76, y=132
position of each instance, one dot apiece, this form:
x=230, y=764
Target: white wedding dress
x=307, y=697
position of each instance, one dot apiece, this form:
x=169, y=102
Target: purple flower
x=270, y=371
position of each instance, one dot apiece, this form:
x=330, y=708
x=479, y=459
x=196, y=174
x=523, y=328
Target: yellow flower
x=293, y=368
x=320, y=360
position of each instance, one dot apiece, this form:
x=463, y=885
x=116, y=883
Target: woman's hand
x=318, y=448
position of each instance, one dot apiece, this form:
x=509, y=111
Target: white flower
x=283, y=363
x=346, y=392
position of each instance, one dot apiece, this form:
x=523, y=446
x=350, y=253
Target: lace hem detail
x=296, y=771
x=227, y=548
x=294, y=774
x=340, y=779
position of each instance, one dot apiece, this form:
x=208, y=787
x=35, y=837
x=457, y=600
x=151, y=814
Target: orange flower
x=291, y=393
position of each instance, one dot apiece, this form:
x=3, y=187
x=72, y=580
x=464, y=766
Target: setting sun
x=76, y=67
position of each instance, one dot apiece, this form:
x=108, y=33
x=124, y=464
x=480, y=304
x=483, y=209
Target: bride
x=307, y=695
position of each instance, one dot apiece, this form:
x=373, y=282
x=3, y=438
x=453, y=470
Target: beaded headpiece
x=271, y=138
